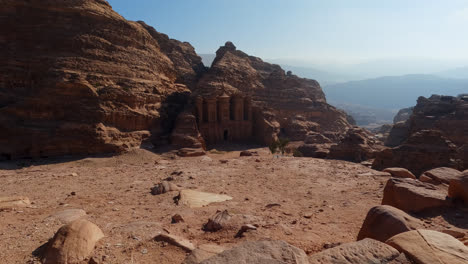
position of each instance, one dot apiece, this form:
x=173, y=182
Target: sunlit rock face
x=77, y=78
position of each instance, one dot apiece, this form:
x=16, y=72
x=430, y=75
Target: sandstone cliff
x=296, y=104
x=77, y=78
x=435, y=135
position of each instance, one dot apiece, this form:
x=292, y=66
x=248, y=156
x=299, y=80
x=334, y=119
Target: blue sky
x=341, y=31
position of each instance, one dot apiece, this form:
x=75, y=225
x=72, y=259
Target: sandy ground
x=315, y=202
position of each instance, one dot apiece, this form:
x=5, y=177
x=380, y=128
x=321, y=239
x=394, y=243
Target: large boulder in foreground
x=458, y=188
x=72, y=243
x=383, y=222
x=440, y=175
x=261, y=252
x=364, y=251
x=430, y=247
x=422, y=151
x=411, y=195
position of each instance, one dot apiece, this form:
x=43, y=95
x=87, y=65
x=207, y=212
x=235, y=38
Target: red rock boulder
x=411, y=195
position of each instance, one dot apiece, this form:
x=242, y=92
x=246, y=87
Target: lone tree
x=280, y=145
x=273, y=147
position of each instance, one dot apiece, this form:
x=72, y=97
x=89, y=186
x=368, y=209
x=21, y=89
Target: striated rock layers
x=435, y=135
x=281, y=102
x=77, y=78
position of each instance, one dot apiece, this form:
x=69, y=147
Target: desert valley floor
x=310, y=203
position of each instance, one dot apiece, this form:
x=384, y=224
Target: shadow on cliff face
x=171, y=107
x=232, y=146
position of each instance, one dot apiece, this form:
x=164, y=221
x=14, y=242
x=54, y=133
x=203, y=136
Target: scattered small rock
x=177, y=218
x=164, y=187
x=217, y=222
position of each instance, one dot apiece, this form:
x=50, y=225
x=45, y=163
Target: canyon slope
x=295, y=105
x=79, y=79
x=435, y=135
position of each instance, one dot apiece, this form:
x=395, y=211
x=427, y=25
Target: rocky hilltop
x=77, y=78
x=283, y=95
x=435, y=135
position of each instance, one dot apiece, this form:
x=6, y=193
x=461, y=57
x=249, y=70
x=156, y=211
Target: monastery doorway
x=226, y=135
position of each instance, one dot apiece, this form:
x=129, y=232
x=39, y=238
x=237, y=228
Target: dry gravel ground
x=311, y=202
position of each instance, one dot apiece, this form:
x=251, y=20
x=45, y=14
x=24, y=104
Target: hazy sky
x=344, y=31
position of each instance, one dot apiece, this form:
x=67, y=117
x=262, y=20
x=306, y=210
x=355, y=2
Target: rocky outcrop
x=357, y=145
x=294, y=105
x=185, y=133
x=403, y=115
x=458, y=188
x=446, y=114
x=398, y=134
x=423, y=151
x=77, y=78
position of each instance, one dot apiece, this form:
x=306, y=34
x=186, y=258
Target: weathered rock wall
x=282, y=94
x=77, y=78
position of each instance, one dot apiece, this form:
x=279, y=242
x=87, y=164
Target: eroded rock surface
x=430, y=247
x=422, y=151
x=275, y=252
x=384, y=221
x=364, y=251
x=78, y=78
x=294, y=104
x=411, y=195
x=458, y=188
x=72, y=243
x=440, y=175
x=446, y=115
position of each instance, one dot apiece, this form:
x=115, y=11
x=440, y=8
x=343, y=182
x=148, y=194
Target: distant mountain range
x=376, y=100
x=394, y=92
x=461, y=73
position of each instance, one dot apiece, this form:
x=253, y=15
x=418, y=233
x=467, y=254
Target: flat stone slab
x=69, y=215
x=441, y=175
x=176, y=241
x=11, y=202
x=195, y=199
x=202, y=253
